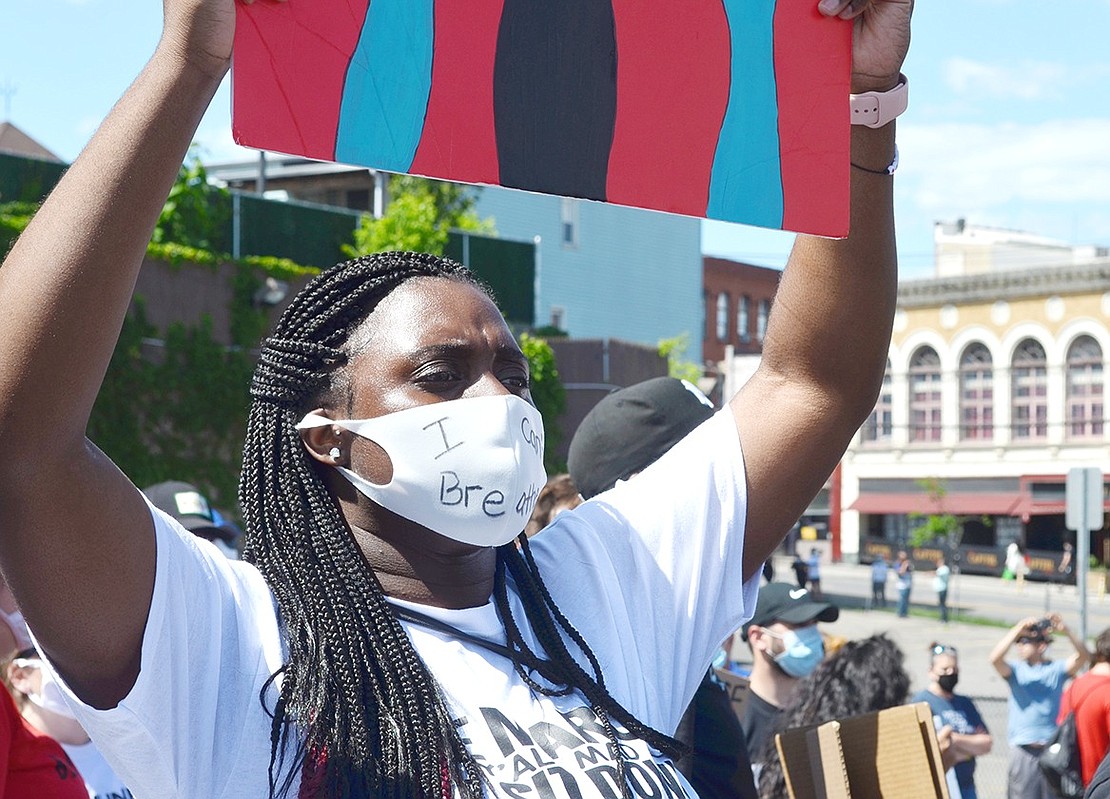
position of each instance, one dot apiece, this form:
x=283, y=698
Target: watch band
x=875, y=109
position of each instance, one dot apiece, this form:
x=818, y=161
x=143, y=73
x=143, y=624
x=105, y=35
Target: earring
x=334, y=453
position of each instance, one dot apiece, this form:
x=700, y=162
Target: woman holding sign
x=386, y=636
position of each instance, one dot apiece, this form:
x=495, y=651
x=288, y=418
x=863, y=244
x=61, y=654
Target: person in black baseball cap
x=786, y=647
x=630, y=429
x=621, y=436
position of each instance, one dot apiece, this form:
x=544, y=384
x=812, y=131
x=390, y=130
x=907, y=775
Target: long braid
x=366, y=716
x=370, y=719
x=549, y=625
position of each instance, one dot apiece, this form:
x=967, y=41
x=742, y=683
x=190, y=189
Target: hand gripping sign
x=728, y=109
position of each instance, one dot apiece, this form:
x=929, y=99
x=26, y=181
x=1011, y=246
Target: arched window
x=743, y=318
x=925, y=395
x=722, y=317
x=761, y=319
x=880, y=424
x=1029, y=378
x=1085, y=402
x=976, y=394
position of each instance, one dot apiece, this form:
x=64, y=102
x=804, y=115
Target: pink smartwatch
x=875, y=109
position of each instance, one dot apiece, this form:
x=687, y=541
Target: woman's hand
x=880, y=39
x=201, y=31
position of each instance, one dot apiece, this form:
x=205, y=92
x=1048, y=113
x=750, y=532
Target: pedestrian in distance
x=389, y=633
x=813, y=572
x=1016, y=564
x=969, y=737
x=880, y=571
x=940, y=585
x=1066, y=566
x=800, y=569
x=1036, y=684
x=903, y=575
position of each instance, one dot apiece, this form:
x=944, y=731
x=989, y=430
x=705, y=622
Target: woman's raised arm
x=829, y=331
x=76, y=540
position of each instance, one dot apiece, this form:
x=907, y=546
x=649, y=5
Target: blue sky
x=1008, y=125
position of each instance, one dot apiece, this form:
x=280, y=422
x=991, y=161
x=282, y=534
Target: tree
x=939, y=526
x=672, y=349
x=196, y=213
x=549, y=395
x=420, y=214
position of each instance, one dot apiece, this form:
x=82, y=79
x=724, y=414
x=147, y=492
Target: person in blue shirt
x=1036, y=684
x=969, y=737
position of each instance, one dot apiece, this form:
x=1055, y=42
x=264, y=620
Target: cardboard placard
x=729, y=109
x=891, y=754
x=737, y=688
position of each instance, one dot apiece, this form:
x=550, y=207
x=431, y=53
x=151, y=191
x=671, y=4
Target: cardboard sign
x=729, y=109
x=737, y=687
x=892, y=753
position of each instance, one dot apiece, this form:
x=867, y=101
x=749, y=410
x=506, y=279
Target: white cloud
x=1027, y=80
x=1051, y=178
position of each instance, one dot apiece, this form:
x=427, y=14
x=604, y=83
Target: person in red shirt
x=31, y=762
x=1089, y=697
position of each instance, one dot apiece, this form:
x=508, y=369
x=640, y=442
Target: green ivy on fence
x=174, y=403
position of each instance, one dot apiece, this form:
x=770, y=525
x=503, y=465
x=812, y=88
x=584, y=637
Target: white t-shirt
x=649, y=573
x=99, y=777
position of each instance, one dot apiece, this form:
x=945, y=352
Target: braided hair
x=370, y=718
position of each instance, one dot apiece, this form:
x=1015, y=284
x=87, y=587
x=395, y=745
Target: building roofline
x=1083, y=278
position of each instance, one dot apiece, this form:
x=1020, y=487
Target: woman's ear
x=327, y=444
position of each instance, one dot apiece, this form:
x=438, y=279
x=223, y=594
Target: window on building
x=880, y=424
x=976, y=394
x=1029, y=377
x=568, y=213
x=761, y=319
x=722, y=317
x=743, y=318
x=1085, y=398
x=924, y=376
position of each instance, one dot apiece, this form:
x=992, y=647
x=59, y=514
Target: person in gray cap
x=786, y=647
x=185, y=502
x=620, y=437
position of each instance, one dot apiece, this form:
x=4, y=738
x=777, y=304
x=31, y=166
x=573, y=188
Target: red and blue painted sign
x=728, y=109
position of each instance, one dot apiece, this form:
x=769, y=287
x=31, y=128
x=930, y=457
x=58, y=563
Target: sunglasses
x=943, y=649
x=1025, y=639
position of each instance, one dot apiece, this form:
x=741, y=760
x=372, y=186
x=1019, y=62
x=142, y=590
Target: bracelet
x=889, y=170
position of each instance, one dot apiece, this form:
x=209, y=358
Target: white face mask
x=468, y=469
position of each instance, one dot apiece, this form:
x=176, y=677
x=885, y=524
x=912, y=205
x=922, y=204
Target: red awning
x=1002, y=503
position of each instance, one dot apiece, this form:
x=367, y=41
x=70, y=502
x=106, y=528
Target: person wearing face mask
x=862, y=676
x=969, y=736
x=786, y=647
x=390, y=632
x=42, y=705
x=32, y=762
